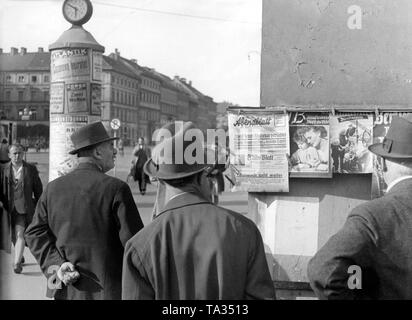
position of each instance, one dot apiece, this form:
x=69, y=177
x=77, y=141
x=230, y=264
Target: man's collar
x=17, y=166
x=88, y=162
x=183, y=200
x=396, y=181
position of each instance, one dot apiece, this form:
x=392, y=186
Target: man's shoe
x=17, y=268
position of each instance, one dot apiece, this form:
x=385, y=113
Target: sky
x=215, y=44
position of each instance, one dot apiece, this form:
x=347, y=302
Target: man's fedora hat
x=397, y=143
x=89, y=135
x=168, y=159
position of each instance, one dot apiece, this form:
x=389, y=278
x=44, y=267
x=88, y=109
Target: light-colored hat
x=168, y=159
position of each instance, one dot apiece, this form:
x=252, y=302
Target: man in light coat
x=371, y=256
x=193, y=249
x=82, y=222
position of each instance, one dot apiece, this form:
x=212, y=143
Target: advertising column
x=75, y=93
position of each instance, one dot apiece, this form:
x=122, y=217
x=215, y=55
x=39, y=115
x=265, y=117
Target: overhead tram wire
x=172, y=13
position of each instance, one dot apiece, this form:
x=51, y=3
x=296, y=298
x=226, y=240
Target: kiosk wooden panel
x=313, y=58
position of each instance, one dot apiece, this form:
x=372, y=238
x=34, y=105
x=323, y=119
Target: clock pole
x=75, y=88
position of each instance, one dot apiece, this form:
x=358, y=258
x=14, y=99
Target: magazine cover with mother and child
x=309, y=145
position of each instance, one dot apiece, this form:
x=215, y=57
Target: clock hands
x=75, y=9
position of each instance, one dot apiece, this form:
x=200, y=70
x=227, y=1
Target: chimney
x=23, y=50
x=13, y=51
x=190, y=83
x=133, y=60
x=183, y=80
x=116, y=54
x=40, y=50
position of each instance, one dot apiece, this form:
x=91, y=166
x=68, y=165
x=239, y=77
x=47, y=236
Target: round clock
x=77, y=12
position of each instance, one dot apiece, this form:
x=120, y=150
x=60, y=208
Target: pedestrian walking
x=120, y=146
x=193, y=249
x=20, y=189
x=371, y=256
x=82, y=222
x=141, y=154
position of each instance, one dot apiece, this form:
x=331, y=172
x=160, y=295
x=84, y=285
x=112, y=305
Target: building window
x=8, y=78
x=46, y=78
x=46, y=96
x=20, y=78
x=46, y=114
x=20, y=95
x=33, y=78
x=8, y=96
x=33, y=94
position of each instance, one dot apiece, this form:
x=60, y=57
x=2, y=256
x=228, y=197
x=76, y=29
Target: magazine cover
x=351, y=134
x=309, y=145
x=259, y=144
x=381, y=123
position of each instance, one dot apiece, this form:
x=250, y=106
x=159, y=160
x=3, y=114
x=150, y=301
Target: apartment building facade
x=25, y=93
x=142, y=98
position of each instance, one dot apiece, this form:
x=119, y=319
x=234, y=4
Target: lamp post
x=25, y=115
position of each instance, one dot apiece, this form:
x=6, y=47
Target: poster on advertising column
x=309, y=145
x=69, y=63
x=97, y=59
x=259, y=144
x=351, y=134
x=57, y=97
x=381, y=123
x=77, y=97
x=96, y=98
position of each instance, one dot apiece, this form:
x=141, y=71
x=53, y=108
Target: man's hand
x=68, y=274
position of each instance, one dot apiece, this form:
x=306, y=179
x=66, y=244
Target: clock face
x=77, y=12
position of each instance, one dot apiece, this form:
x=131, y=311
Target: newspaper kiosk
x=338, y=72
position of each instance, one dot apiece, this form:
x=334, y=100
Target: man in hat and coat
x=371, y=256
x=20, y=189
x=192, y=249
x=140, y=153
x=82, y=222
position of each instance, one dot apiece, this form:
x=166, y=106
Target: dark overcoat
x=32, y=190
x=84, y=217
x=376, y=237
x=196, y=250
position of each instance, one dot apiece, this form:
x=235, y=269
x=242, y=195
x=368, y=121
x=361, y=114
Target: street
x=31, y=284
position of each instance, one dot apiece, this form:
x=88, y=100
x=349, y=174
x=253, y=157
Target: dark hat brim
x=377, y=148
x=150, y=168
x=74, y=151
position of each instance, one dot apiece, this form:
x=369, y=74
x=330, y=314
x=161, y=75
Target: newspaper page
x=381, y=124
x=351, y=134
x=309, y=145
x=259, y=144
